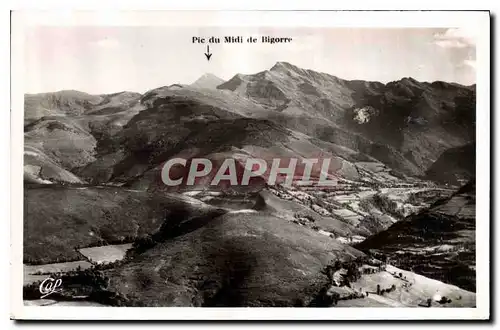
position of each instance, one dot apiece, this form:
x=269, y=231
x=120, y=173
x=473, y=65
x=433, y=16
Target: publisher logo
x=49, y=286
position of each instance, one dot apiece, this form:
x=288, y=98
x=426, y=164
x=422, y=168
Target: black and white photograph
x=216, y=160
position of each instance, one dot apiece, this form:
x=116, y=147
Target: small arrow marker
x=207, y=54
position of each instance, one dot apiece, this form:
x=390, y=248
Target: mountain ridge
x=405, y=124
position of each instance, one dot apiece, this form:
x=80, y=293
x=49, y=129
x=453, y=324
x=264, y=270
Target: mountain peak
x=208, y=80
x=209, y=75
x=283, y=66
x=409, y=79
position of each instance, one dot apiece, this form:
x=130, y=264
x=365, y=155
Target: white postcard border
x=477, y=20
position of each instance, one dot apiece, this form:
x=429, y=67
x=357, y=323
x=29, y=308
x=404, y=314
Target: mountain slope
x=60, y=103
x=239, y=259
x=455, y=166
x=65, y=130
x=438, y=242
x=58, y=220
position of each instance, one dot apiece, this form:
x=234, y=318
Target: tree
x=443, y=300
x=329, y=273
x=353, y=273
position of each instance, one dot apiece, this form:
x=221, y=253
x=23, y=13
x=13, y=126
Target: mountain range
x=405, y=125
x=398, y=148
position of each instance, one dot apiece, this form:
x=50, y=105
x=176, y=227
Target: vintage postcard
x=310, y=165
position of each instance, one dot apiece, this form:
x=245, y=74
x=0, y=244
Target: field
x=105, y=254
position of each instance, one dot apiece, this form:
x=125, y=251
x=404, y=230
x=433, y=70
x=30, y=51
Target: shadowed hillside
x=438, y=242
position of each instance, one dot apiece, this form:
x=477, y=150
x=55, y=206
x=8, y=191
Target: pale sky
x=112, y=59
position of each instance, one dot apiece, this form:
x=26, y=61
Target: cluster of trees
x=143, y=243
x=370, y=270
x=328, y=299
x=323, y=299
x=42, y=261
x=352, y=271
x=90, y=283
x=383, y=291
x=385, y=204
x=443, y=300
x=400, y=275
x=76, y=283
